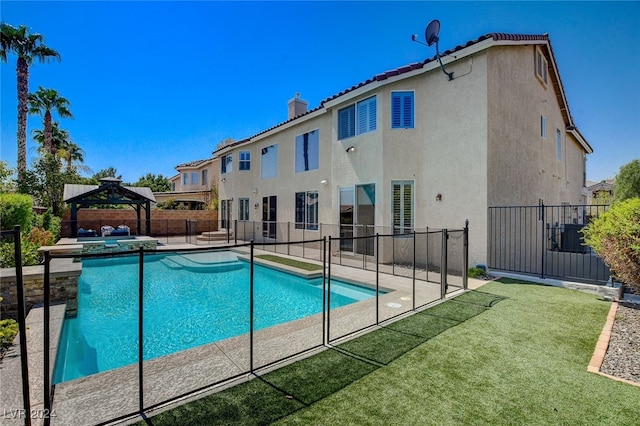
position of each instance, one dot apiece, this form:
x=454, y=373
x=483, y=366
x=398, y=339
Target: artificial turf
x=290, y=262
x=470, y=360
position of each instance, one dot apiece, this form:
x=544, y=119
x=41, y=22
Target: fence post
x=443, y=265
x=324, y=290
x=289, y=239
x=377, y=280
x=251, y=309
x=22, y=327
x=329, y=293
x=544, y=240
x=47, y=344
x=235, y=231
x=141, y=330
x=413, y=296
x=465, y=257
x=393, y=251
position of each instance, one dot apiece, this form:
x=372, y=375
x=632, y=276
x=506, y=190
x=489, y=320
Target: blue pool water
x=189, y=300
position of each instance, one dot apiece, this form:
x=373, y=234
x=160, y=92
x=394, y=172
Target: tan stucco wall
x=476, y=142
x=523, y=166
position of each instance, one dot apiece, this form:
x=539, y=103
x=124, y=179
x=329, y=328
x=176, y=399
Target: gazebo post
x=147, y=208
x=138, y=218
x=74, y=220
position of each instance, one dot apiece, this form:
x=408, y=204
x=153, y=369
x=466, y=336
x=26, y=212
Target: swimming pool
x=189, y=300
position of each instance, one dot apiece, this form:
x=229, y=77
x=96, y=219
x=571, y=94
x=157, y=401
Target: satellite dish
x=432, y=31
x=431, y=37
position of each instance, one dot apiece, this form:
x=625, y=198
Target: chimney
x=297, y=107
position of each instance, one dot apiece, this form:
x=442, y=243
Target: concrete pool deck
x=108, y=395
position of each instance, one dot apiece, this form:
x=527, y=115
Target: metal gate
x=545, y=241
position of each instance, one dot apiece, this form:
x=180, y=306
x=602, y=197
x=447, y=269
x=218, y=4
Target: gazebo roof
x=110, y=191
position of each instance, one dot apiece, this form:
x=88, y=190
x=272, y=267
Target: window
x=226, y=163
x=543, y=127
x=307, y=210
x=205, y=177
x=402, y=110
x=185, y=178
x=244, y=162
x=269, y=162
x=243, y=209
x=194, y=178
x=402, y=199
x=541, y=66
x=307, y=151
x=173, y=186
x=558, y=144
x=364, y=111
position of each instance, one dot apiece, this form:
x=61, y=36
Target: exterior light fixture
x=324, y=181
x=223, y=180
x=255, y=190
x=351, y=149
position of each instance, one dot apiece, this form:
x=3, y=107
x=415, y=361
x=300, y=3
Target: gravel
x=623, y=355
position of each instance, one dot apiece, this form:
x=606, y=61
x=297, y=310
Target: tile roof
x=419, y=65
x=195, y=163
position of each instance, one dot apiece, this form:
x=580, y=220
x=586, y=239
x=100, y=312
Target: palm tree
x=27, y=46
x=65, y=148
x=58, y=137
x=42, y=103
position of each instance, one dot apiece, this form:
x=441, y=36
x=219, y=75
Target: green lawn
x=511, y=353
x=290, y=262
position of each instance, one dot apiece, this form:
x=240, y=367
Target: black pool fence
x=425, y=266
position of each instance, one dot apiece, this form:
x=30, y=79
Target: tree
x=27, y=47
x=65, y=148
x=615, y=237
x=628, y=181
x=157, y=183
x=104, y=173
x=46, y=182
x=43, y=102
x=7, y=183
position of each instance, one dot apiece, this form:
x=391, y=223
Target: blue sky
x=156, y=84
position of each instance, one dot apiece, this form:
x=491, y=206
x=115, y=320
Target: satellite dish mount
x=431, y=37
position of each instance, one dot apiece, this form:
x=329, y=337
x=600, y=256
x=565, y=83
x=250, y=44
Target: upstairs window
x=307, y=146
x=194, y=178
x=357, y=119
x=541, y=66
x=244, y=162
x=226, y=163
x=559, y=144
x=205, y=177
x=543, y=127
x=269, y=162
x=402, y=110
x=185, y=178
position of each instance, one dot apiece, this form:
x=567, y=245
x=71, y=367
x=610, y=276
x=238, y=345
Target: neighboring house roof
x=490, y=39
x=192, y=164
x=605, y=185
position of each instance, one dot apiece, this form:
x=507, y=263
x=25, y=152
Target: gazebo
x=110, y=191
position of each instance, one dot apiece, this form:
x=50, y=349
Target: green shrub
x=16, y=209
x=476, y=273
x=52, y=224
x=615, y=237
x=8, y=330
x=30, y=255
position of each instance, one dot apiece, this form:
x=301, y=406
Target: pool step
x=215, y=236
x=181, y=262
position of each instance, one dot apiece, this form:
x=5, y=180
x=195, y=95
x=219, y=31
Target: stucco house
x=194, y=186
x=410, y=148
